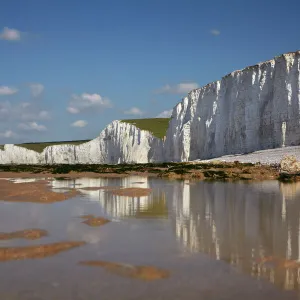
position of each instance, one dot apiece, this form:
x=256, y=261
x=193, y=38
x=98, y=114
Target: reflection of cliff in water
x=252, y=226
x=152, y=206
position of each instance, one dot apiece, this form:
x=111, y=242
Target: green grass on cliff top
x=157, y=126
x=39, y=147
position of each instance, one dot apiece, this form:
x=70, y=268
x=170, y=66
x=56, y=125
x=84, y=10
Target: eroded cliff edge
x=119, y=142
x=252, y=109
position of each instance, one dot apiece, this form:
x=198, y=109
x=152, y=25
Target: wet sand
x=127, y=270
x=93, y=221
x=38, y=192
x=206, y=240
x=29, y=234
x=39, y=251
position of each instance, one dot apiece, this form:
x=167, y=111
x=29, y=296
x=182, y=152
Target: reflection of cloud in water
x=242, y=224
x=77, y=230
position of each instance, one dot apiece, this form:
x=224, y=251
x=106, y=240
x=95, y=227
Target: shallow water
x=187, y=240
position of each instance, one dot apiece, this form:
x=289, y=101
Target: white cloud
x=25, y=104
x=10, y=34
x=43, y=115
x=32, y=126
x=79, y=123
x=73, y=110
x=31, y=114
x=36, y=89
x=180, y=88
x=24, y=111
x=134, y=111
x=85, y=102
x=8, y=134
x=165, y=114
x=215, y=32
x=6, y=91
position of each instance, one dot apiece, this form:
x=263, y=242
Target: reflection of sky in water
x=239, y=223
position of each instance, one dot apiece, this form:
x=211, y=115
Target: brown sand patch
x=132, y=192
x=138, y=272
x=39, y=251
x=94, y=221
x=37, y=192
x=29, y=234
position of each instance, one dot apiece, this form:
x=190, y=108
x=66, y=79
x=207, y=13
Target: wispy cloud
x=24, y=111
x=32, y=126
x=180, y=88
x=6, y=90
x=135, y=111
x=215, y=32
x=87, y=102
x=36, y=89
x=165, y=114
x=10, y=34
x=72, y=110
x=79, y=123
x=8, y=134
x=34, y=114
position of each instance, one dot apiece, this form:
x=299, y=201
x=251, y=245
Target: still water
x=197, y=240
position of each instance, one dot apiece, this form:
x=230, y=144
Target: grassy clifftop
x=157, y=126
x=39, y=147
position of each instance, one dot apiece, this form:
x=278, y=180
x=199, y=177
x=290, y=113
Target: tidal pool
x=182, y=240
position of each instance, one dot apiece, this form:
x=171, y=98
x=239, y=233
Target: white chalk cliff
x=251, y=109
x=119, y=142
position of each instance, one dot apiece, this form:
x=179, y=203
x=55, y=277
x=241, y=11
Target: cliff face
x=17, y=155
x=252, y=109
x=118, y=143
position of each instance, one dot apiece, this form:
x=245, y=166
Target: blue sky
x=68, y=68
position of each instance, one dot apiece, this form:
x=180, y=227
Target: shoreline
x=214, y=170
